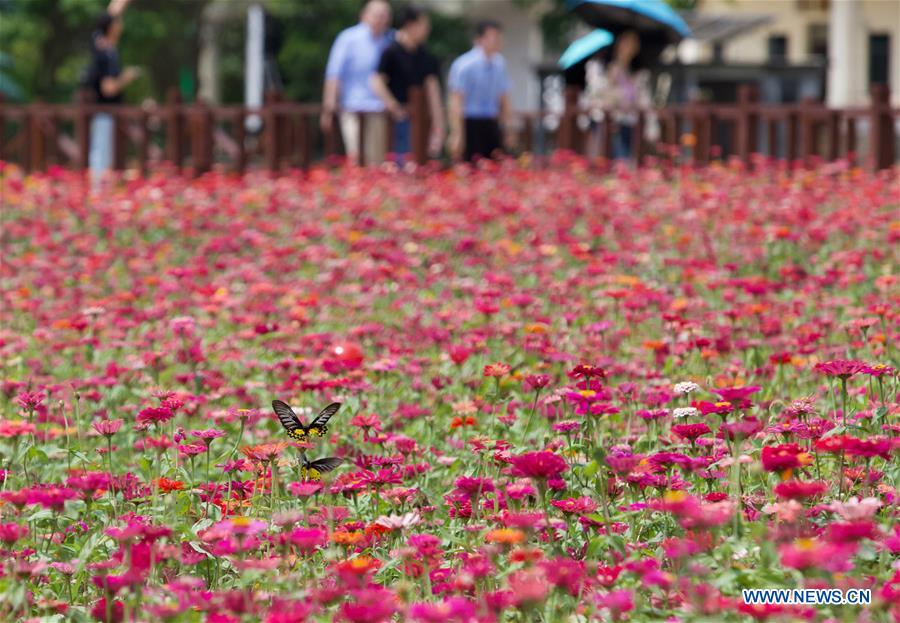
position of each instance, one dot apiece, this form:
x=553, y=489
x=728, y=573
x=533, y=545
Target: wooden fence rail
x=196, y=137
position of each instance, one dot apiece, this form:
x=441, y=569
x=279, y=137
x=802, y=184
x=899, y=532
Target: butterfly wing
x=325, y=465
x=288, y=419
x=317, y=427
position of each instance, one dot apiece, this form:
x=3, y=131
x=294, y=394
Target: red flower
x=537, y=381
x=800, y=490
x=784, y=458
x=868, y=448
x=691, y=431
x=587, y=371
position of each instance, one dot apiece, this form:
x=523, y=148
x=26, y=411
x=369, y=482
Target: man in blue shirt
x=479, y=96
x=352, y=61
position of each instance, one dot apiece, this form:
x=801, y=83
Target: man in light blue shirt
x=351, y=63
x=479, y=96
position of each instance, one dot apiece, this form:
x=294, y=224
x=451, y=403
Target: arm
x=117, y=7
x=433, y=93
x=332, y=83
x=113, y=85
x=329, y=103
x=378, y=82
x=455, y=117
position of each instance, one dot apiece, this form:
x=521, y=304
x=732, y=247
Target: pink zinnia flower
x=496, y=370
x=541, y=465
x=107, y=428
x=841, y=368
x=581, y=506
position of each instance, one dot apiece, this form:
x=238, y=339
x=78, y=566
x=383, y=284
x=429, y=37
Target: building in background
x=857, y=42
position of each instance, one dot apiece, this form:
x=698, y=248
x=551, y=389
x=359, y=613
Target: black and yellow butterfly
x=295, y=428
x=313, y=470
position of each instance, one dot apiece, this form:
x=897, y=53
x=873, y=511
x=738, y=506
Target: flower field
x=564, y=396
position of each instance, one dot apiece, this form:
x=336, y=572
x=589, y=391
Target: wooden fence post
x=37, y=150
x=174, y=129
x=748, y=122
x=704, y=126
x=82, y=123
x=569, y=120
x=881, y=128
x=791, y=151
x=418, y=120
x=833, y=128
x=637, y=139
x=201, y=137
x=271, y=140
x=120, y=140
x=240, y=137
x=304, y=140
x=807, y=121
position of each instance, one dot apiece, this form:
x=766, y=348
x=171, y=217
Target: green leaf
x=837, y=430
x=590, y=470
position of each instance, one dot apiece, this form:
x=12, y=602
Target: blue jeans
x=100, y=156
x=622, y=142
x=402, y=139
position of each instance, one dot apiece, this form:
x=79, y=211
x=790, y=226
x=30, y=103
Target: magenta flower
x=541, y=465
x=841, y=368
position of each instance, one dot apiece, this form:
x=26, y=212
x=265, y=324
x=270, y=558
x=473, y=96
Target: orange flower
x=165, y=485
x=505, y=536
x=459, y=421
x=348, y=537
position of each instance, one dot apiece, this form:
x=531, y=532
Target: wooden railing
x=196, y=137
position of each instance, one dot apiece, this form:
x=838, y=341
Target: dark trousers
x=482, y=138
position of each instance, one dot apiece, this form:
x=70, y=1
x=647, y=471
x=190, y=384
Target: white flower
x=684, y=412
x=685, y=387
x=399, y=522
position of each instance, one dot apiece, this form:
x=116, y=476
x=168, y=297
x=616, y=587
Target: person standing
x=406, y=63
x=626, y=92
x=353, y=59
x=107, y=80
x=479, y=96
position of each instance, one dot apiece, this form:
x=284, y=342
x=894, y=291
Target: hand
x=435, y=141
x=397, y=111
x=326, y=121
x=510, y=140
x=130, y=74
x=455, y=145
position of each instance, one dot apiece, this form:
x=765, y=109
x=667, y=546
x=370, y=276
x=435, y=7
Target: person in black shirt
x=107, y=81
x=407, y=63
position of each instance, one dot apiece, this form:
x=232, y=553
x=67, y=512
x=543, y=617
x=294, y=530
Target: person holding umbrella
x=643, y=28
x=627, y=91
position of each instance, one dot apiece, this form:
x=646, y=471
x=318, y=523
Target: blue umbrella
x=654, y=20
x=585, y=46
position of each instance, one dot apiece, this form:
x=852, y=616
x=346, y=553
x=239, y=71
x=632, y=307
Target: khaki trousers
x=374, y=135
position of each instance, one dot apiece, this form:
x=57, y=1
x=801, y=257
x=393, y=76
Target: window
x=778, y=49
x=817, y=41
x=879, y=58
x=812, y=5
